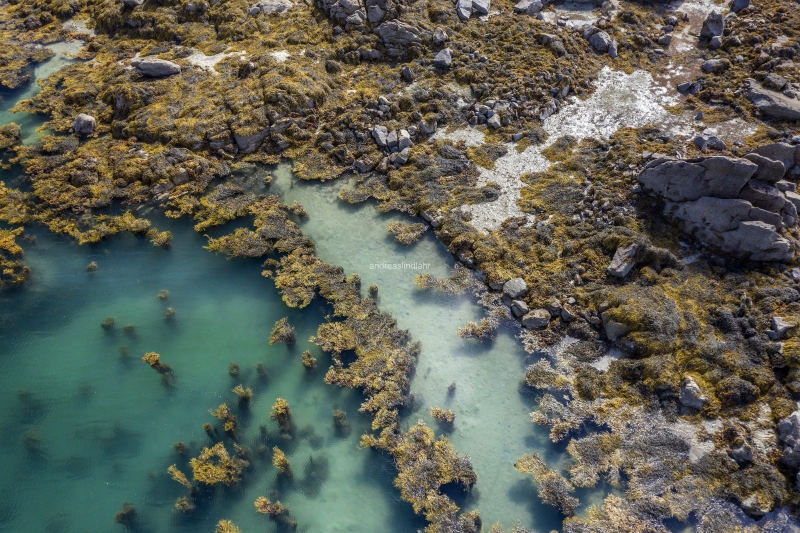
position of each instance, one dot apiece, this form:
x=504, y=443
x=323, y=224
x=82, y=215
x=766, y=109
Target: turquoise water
x=88, y=429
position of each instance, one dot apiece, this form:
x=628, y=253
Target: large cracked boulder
x=719, y=201
x=686, y=180
x=772, y=103
x=396, y=34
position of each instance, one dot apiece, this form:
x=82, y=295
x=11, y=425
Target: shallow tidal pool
x=89, y=426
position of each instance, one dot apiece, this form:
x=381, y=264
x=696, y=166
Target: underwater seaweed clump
x=276, y=511
x=160, y=238
x=261, y=371
x=485, y=330
x=185, y=505
x=126, y=516
x=229, y=422
x=553, y=488
x=163, y=294
x=129, y=330
x=180, y=477
x=283, y=332
x=282, y=415
x=226, y=526
x=441, y=415
x=407, y=233
x=214, y=465
x=233, y=369
x=309, y=362
x=108, y=324
x=154, y=360
x=372, y=290
x=424, y=464
x=281, y=462
x=457, y=283
x=244, y=395
x=170, y=315
x=339, y=418
x=91, y=267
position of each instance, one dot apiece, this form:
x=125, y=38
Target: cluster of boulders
x=398, y=144
x=354, y=13
x=736, y=205
x=494, y=113
x=514, y=291
x=600, y=40
x=467, y=8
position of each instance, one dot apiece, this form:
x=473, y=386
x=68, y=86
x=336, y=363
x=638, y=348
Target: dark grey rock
x=690, y=394
x=407, y=74
x=396, y=34
x=155, y=68
x=440, y=36
x=769, y=170
x=664, y=40
x=481, y=7
x=715, y=66
x=494, y=122
x=789, y=436
x=84, y=124
x=381, y=136
x=763, y=195
x=515, y=288
x=738, y=5
x=536, y=319
x=623, y=262
x=464, y=9
x=783, y=152
x=600, y=41
x=530, y=7
x=519, y=308
x=774, y=82
x=614, y=330
x=713, y=25
x=772, y=103
x=443, y=59
x=686, y=180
